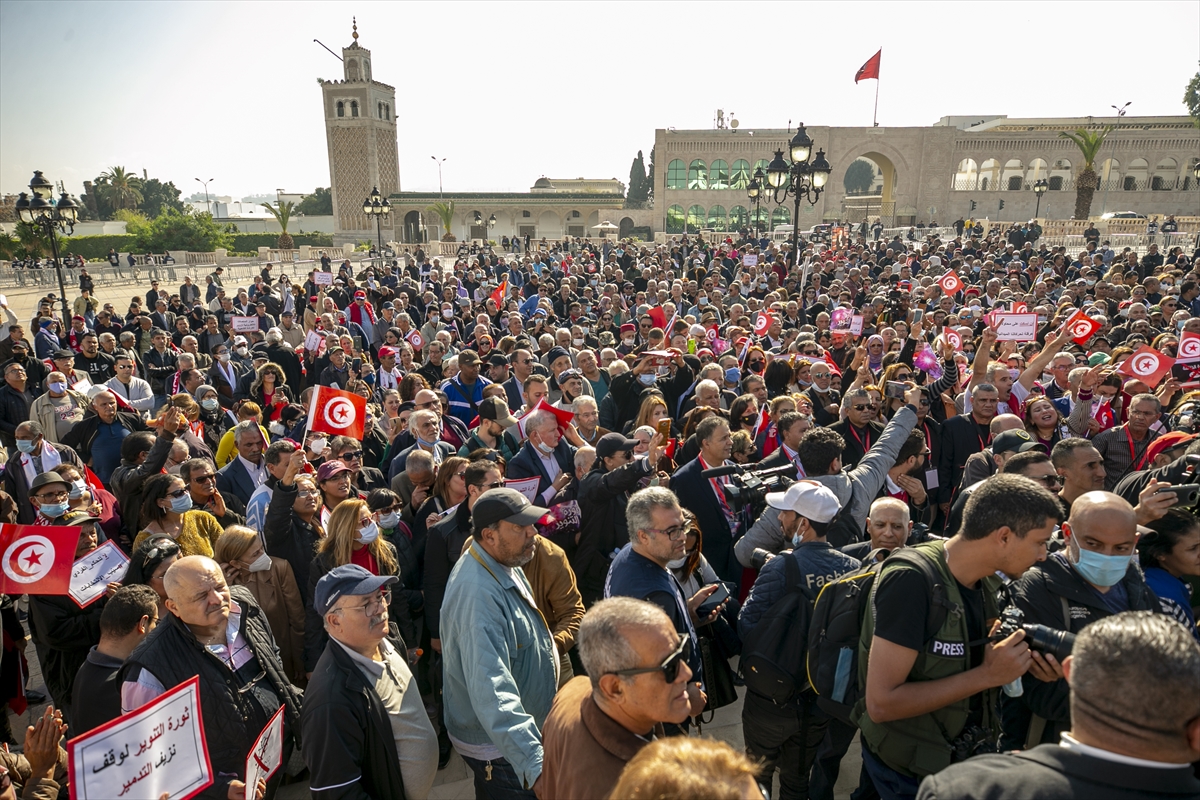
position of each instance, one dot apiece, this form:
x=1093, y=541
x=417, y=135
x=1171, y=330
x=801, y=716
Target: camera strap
x=1037, y=725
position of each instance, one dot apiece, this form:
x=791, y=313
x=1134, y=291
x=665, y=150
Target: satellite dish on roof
x=733, y=123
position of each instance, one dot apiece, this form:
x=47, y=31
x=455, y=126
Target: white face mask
x=277, y=428
x=389, y=520
x=317, y=446
x=223, y=358
x=448, y=313
x=209, y=404
x=260, y=564
x=677, y=563
x=577, y=342
x=241, y=351
x=368, y=534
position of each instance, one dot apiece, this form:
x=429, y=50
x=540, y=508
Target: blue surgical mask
x=52, y=510
x=1097, y=569
x=26, y=446
x=646, y=379
x=389, y=520
x=426, y=442
x=181, y=504
x=368, y=534
x=545, y=448
x=77, y=489
x=209, y=404
x=58, y=387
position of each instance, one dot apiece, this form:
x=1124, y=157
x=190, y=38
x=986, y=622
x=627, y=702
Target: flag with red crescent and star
x=37, y=559
x=338, y=413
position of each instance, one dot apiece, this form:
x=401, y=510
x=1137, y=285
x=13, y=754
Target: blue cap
x=348, y=579
x=733, y=375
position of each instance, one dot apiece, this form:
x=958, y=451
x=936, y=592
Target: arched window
x=675, y=218
x=379, y=109
x=716, y=218
x=739, y=176
x=695, y=219
x=341, y=108
x=387, y=110
x=738, y=216
x=780, y=216
x=676, y=177
x=966, y=177
x=760, y=220
x=1013, y=177
x=1135, y=178
x=697, y=175
x=1060, y=174
x=354, y=108
x=1166, y=175
x=718, y=175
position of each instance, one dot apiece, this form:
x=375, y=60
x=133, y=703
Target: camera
x=749, y=488
x=1040, y=638
x=973, y=741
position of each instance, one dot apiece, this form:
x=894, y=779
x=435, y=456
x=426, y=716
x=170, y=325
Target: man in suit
x=425, y=425
x=1122, y=744
x=706, y=498
x=545, y=455
x=963, y=435
x=858, y=430
x=791, y=426
x=248, y=470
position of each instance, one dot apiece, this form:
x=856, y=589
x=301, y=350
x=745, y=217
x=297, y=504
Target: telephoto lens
x=1049, y=640
x=760, y=557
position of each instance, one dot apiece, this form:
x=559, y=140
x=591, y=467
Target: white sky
x=509, y=91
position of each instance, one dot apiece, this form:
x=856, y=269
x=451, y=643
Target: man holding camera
x=1092, y=578
x=930, y=674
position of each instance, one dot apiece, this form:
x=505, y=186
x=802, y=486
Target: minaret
x=360, y=132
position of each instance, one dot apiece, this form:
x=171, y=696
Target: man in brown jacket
x=637, y=680
x=557, y=597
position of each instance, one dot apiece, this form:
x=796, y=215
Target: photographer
x=930, y=676
x=1094, y=577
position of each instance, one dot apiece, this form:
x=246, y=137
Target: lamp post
x=1039, y=188
x=753, y=191
x=1108, y=177
x=378, y=207
x=491, y=225
x=205, y=184
x=801, y=179
x=49, y=217
x=439, y=162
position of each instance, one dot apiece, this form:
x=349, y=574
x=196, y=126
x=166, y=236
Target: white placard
x=856, y=325
x=323, y=278
x=750, y=260
x=3, y=301
x=267, y=754
x=312, y=342
x=1015, y=327
x=245, y=324
x=526, y=486
x=82, y=385
x=91, y=575
x=156, y=749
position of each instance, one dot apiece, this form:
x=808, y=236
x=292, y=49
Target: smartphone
x=895, y=389
x=664, y=428
x=356, y=364
x=918, y=315
x=1185, y=494
x=714, y=600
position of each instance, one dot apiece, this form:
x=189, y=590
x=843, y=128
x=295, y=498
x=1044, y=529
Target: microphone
x=720, y=472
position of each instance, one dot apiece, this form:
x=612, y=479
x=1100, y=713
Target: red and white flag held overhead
x=952, y=336
x=37, y=559
x=414, y=338
x=951, y=284
x=762, y=324
x=1147, y=365
x=337, y=413
x=500, y=293
x=1189, y=347
x=1082, y=327
x=869, y=69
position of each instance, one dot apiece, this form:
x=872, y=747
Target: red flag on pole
x=500, y=293
x=659, y=317
x=37, y=559
x=869, y=69
x=337, y=413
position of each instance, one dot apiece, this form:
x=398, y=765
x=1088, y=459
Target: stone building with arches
x=962, y=166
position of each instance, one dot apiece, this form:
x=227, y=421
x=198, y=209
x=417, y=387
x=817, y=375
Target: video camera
x=1040, y=638
x=748, y=488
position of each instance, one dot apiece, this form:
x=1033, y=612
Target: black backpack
x=836, y=623
x=772, y=662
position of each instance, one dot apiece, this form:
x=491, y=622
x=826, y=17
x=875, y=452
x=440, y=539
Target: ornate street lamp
x=1039, y=188
x=377, y=206
x=800, y=179
x=49, y=218
x=491, y=223
x=754, y=191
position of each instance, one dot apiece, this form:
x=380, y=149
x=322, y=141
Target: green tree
x=33, y=241
x=1191, y=99
x=157, y=195
x=444, y=212
x=650, y=176
x=122, y=189
x=1089, y=143
x=134, y=220
x=283, y=215
x=9, y=246
x=638, y=192
x=186, y=230
x=317, y=204
x=860, y=175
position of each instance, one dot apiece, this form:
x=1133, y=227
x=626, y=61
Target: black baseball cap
x=504, y=505
x=497, y=360
x=494, y=408
x=611, y=443
x=1016, y=441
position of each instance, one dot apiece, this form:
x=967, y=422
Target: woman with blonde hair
x=353, y=537
x=653, y=409
x=240, y=553
x=686, y=768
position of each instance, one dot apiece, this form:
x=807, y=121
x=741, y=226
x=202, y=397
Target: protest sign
x=323, y=278
x=1015, y=327
x=856, y=325
x=245, y=324
x=750, y=260
x=91, y=575
x=526, y=486
x=156, y=749
x=37, y=559
x=313, y=342
x=267, y=754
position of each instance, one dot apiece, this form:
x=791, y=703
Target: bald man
x=207, y=614
x=1093, y=577
x=888, y=525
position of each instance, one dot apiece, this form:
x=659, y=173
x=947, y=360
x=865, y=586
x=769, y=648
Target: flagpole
x=875, y=117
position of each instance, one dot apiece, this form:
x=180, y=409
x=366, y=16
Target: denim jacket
x=499, y=664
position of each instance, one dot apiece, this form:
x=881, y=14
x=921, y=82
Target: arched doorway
x=870, y=186
x=626, y=228
x=412, y=227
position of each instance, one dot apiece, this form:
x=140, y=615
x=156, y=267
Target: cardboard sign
x=267, y=754
x=313, y=342
x=156, y=749
x=323, y=278
x=1015, y=327
x=750, y=260
x=856, y=325
x=526, y=486
x=245, y=324
x=91, y=575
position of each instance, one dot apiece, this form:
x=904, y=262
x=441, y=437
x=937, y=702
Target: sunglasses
x=669, y=668
x=177, y=494
x=868, y=407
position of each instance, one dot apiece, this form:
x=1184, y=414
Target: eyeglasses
x=1049, y=480
x=356, y=455
x=204, y=478
x=177, y=494
x=420, y=406
x=308, y=493
x=674, y=532
x=53, y=496
x=373, y=605
x=669, y=668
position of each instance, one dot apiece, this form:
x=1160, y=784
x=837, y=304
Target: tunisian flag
x=869, y=69
x=500, y=293
x=337, y=413
x=37, y=559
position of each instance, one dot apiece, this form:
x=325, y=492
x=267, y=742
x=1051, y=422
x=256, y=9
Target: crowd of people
x=606, y=488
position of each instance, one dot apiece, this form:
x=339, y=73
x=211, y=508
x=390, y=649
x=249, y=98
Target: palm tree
x=123, y=189
x=445, y=212
x=283, y=215
x=8, y=245
x=1089, y=143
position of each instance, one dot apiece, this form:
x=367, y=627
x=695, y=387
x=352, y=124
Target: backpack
x=835, y=626
x=772, y=662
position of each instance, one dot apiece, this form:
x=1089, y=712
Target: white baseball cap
x=809, y=499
